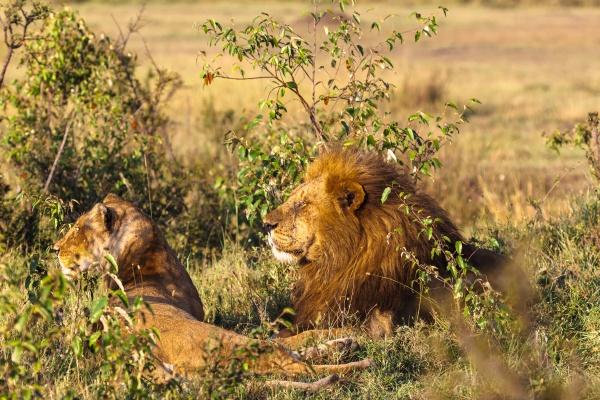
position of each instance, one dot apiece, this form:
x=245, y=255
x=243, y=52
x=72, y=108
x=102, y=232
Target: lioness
x=356, y=251
x=149, y=268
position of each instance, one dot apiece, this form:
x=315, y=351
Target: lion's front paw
x=329, y=348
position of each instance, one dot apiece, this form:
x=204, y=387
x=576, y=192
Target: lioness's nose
x=56, y=249
x=270, y=226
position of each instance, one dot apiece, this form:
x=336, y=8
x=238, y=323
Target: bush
x=81, y=124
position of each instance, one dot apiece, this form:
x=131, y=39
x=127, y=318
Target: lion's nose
x=269, y=227
x=56, y=250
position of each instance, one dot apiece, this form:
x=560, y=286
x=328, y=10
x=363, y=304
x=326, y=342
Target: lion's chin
x=283, y=256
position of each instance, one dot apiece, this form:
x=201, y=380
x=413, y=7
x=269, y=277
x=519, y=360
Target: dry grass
x=533, y=69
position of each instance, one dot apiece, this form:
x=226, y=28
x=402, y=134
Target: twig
x=60, y=150
x=307, y=387
x=311, y=111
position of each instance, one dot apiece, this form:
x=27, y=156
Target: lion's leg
x=189, y=345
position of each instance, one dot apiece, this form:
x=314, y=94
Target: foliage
x=17, y=20
x=341, y=86
x=81, y=124
x=584, y=135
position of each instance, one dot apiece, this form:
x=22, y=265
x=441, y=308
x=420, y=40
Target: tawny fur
x=149, y=268
x=352, y=250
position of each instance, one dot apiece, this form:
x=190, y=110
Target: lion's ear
x=350, y=194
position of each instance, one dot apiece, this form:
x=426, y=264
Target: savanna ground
x=535, y=68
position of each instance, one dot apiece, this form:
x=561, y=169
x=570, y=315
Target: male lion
x=148, y=267
x=356, y=253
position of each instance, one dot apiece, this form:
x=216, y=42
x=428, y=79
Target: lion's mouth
x=286, y=256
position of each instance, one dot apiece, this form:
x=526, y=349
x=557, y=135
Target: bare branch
x=60, y=150
x=307, y=387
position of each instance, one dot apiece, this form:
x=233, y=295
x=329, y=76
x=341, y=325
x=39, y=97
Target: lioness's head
x=114, y=227
x=85, y=244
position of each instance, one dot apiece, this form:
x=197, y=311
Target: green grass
x=552, y=350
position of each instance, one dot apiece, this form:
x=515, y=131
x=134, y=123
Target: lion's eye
x=299, y=205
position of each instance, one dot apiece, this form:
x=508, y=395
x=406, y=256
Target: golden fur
x=148, y=267
x=354, y=252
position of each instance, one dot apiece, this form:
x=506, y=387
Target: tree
x=340, y=84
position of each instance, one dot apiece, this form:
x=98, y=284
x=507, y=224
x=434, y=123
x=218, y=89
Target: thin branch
x=307, y=387
x=242, y=79
x=318, y=130
x=6, y=63
x=60, y=150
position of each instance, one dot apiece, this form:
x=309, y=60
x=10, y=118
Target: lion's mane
x=366, y=250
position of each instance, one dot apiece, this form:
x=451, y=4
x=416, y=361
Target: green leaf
x=242, y=153
x=458, y=246
x=113, y=263
x=16, y=354
x=385, y=194
x=461, y=263
x=452, y=104
x=98, y=308
x=458, y=286
x=346, y=127
x=22, y=321
x=263, y=210
x=122, y=296
x=371, y=141
x=387, y=60
x=251, y=125
x=92, y=339
x=77, y=345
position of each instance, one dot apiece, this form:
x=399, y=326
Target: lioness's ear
x=108, y=215
x=350, y=194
